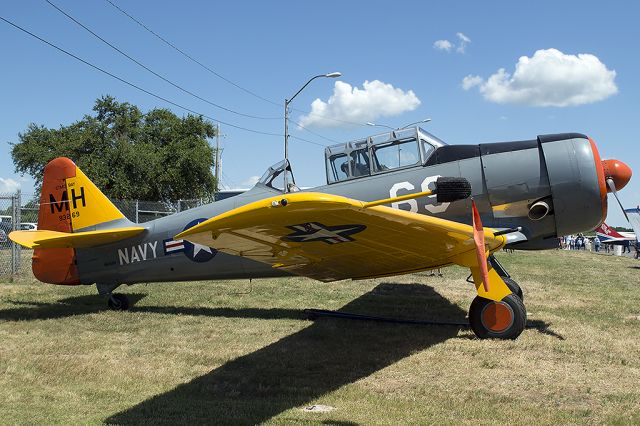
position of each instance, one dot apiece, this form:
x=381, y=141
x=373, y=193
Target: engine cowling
x=577, y=178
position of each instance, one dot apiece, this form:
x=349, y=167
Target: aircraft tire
x=514, y=287
x=118, y=302
x=497, y=320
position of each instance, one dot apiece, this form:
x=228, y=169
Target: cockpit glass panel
x=338, y=168
x=427, y=149
x=384, y=137
x=432, y=138
x=393, y=155
x=277, y=181
x=405, y=133
x=274, y=176
x=360, y=163
x=399, y=148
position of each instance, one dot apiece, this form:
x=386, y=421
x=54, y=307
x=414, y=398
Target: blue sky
x=272, y=48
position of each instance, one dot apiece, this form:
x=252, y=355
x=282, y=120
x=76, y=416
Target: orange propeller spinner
x=617, y=174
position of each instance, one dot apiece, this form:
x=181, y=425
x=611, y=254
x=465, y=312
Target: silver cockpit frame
x=427, y=143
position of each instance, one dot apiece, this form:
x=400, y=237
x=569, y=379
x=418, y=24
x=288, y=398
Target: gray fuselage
x=506, y=180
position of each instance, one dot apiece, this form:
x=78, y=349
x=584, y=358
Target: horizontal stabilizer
x=55, y=239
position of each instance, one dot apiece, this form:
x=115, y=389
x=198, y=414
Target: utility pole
x=286, y=130
x=217, y=158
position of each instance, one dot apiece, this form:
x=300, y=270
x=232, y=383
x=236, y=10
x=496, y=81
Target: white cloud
x=250, y=182
x=464, y=40
x=471, y=80
x=376, y=99
x=549, y=78
x=8, y=186
x=443, y=45
x=446, y=45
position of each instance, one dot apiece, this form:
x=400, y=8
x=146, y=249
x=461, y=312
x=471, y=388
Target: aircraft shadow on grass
x=302, y=367
x=83, y=305
x=293, y=371
x=68, y=307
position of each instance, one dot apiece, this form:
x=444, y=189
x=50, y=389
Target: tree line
x=128, y=154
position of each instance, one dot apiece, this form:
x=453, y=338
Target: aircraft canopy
x=398, y=149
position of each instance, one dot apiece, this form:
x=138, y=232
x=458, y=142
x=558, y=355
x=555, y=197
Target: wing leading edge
x=329, y=237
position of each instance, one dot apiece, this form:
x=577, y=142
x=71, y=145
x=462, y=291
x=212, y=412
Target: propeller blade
x=478, y=238
x=612, y=187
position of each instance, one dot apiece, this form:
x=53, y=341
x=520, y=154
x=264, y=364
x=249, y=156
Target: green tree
x=127, y=154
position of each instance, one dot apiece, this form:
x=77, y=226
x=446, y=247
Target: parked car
x=28, y=226
x=5, y=228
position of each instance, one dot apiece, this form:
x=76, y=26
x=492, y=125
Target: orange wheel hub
x=497, y=316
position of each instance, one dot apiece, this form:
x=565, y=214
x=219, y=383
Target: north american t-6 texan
x=394, y=203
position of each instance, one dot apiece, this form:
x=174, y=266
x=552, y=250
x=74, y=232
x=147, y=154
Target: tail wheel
x=514, y=287
x=118, y=302
x=497, y=320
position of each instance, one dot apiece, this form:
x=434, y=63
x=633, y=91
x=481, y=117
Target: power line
x=308, y=141
x=122, y=80
x=168, y=43
x=134, y=85
x=186, y=55
x=226, y=178
x=177, y=86
x=310, y=114
x=313, y=133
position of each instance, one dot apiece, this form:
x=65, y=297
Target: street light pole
x=286, y=119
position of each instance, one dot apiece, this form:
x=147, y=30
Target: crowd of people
x=577, y=242
x=580, y=242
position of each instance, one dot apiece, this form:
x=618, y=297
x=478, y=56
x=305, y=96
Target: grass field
x=234, y=352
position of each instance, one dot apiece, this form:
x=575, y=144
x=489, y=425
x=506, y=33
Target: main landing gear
x=116, y=301
x=505, y=319
x=498, y=313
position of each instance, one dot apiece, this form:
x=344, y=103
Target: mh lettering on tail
x=64, y=201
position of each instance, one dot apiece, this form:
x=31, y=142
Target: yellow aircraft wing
x=55, y=239
x=329, y=237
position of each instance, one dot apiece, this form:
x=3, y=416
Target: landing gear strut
x=510, y=282
x=497, y=311
x=514, y=287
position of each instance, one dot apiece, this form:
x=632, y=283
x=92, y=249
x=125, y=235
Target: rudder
x=69, y=202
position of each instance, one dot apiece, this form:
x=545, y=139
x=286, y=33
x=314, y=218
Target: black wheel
x=118, y=302
x=514, y=287
x=497, y=320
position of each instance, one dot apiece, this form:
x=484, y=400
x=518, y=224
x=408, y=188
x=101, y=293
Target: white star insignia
x=197, y=248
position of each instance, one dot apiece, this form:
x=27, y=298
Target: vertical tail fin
x=607, y=232
x=69, y=202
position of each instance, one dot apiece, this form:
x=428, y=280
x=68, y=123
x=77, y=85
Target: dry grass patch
x=230, y=352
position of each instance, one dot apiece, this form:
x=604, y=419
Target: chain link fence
x=10, y=220
x=139, y=211
x=16, y=261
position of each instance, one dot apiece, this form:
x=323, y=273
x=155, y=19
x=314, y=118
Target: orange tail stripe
x=56, y=266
